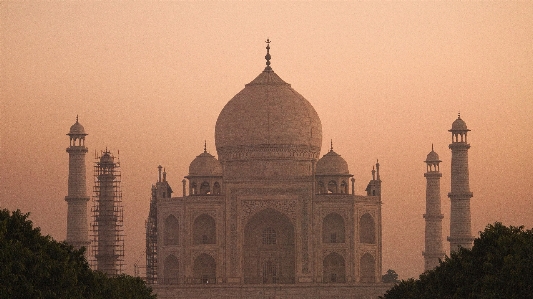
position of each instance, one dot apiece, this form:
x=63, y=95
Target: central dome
x=268, y=115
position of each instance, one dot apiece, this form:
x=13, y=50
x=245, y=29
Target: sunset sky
x=386, y=78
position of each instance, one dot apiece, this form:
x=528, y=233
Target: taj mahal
x=268, y=217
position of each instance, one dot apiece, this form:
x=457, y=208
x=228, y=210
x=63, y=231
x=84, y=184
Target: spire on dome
x=267, y=56
x=331, y=149
x=205, y=146
x=76, y=118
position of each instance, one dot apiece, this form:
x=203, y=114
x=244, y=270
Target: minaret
x=108, y=248
x=77, y=226
x=433, y=239
x=460, y=224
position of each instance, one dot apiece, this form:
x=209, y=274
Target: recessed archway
x=334, y=269
x=171, y=231
x=333, y=229
x=171, y=272
x=368, y=268
x=367, y=229
x=205, y=269
x=204, y=230
x=269, y=253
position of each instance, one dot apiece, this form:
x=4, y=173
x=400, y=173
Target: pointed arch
x=216, y=188
x=171, y=231
x=171, y=272
x=333, y=230
x=205, y=189
x=205, y=269
x=269, y=248
x=194, y=189
x=334, y=270
x=368, y=268
x=344, y=187
x=204, y=230
x=332, y=187
x=367, y=229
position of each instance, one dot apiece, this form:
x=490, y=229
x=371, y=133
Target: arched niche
x=204, y=230
x=334, y=270
x=269, y=249
x=205, y=269
x=344, y=187
x=368, y=268
x=216, y=188
x=367, y=229
x=171, y=231
x=205, y=189
x=171, y=272
x=333, y=229
x=332, y=187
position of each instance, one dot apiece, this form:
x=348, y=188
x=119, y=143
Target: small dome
x=459, y=125
x=77, y=129
x=106, y=158
x=205, y=164
x=432, y=157
x=331, y=164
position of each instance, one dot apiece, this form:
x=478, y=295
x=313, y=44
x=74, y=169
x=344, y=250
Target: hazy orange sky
x=386, y=78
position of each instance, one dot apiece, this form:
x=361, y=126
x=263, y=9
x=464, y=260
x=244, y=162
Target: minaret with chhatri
x=460, y=223
x=77, y=226
x=433, y=217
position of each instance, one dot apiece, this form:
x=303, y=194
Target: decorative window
x=269, y=236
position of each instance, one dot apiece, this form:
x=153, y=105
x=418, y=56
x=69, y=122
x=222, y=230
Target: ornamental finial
x=267, y=56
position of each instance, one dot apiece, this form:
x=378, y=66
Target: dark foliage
x=499, y=265
x=36, y=266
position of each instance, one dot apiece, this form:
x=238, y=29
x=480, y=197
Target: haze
x=387, y=80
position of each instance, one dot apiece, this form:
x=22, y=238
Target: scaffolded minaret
x=107, y=226
x=160, y=190
x=433, y=239
x=460, y=223
x=77, y=227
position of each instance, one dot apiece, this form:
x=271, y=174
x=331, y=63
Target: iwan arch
x=269, y=218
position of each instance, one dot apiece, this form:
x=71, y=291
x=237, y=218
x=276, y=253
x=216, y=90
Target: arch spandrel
x=252, y=207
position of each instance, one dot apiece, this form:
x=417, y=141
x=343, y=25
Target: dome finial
x=459, y=115
x=331, y=149
x=76, y=118
x=432, y=147
x=205, y=146
x=267, y=56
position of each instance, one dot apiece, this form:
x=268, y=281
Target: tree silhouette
x=499, y=265
x=36, y=266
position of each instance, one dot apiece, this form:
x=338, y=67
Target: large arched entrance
x=269, y=255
